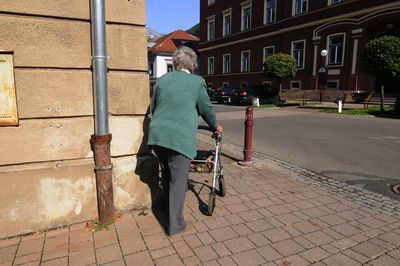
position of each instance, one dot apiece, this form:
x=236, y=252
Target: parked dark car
x=223, y=94
x=265, y=93
x=211, y=93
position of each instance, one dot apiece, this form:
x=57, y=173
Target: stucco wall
x=46, y=164
x=160, y=65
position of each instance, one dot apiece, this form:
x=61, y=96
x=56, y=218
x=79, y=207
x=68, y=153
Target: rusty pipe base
x=104, y=183
x=246, y=163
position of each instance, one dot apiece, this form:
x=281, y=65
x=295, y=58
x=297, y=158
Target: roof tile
x=170, y=42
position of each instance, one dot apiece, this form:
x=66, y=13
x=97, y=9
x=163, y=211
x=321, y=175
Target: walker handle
x=215, y=135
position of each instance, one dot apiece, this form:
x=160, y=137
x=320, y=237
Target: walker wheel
x=211, y=203
x=222, y=187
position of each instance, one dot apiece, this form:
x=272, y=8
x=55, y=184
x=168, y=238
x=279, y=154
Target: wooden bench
x=376, y=100
x=296, y=96
x=355, y=97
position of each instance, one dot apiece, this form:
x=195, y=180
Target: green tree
x=195, y=30
x=280, y=66
x=381, y=58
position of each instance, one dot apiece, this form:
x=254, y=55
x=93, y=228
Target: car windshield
x=247, y=89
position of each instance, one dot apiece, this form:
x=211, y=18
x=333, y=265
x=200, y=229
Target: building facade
x=237, y=35
x=46, y=162
x=160, y=52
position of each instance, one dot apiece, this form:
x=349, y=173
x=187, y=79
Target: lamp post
x=322, y=74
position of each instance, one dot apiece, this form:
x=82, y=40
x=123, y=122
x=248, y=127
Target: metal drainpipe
x=101, y=140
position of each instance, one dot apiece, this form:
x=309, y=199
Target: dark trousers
x=175, y=172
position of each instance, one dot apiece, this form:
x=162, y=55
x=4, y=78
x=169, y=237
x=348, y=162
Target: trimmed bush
x=280, y=66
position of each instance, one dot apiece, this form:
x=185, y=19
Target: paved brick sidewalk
x=266, y=218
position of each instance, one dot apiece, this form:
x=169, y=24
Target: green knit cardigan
x=178, y=100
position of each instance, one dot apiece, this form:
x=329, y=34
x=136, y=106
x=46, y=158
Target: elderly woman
x=179, y=98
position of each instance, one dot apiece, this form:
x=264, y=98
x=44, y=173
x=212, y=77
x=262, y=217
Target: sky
x=166, y=16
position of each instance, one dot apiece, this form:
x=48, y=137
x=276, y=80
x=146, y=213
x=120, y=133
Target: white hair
x=184, y=58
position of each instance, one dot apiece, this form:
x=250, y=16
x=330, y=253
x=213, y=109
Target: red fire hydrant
x=248, y=138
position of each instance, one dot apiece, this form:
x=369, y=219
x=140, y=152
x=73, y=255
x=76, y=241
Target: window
x=226, y=63
x=211, y=28
x=246, y=16
x=332, y=84
x=227, y=22
x=211, y=2
x=334, y=2
x=225, y=84
x=245, y=61
x=170, y=68
x=298, y=52
x=295, y=85
x=299, y=6
x=335, y=49
x=270, y=11
x=210, y=66
x=268, y=51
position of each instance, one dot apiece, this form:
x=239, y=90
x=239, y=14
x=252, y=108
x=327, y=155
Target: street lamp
x=322, y=75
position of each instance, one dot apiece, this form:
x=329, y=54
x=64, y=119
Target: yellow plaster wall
x=46, y=164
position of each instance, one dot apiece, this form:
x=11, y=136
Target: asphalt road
x=364, y=151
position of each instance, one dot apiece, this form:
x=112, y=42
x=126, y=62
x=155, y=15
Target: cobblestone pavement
x=354, y=193
x=273, y=214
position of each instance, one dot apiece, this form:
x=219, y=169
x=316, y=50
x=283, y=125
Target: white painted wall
x=160, y=65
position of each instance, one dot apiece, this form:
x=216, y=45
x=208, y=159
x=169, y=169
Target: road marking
x=386, y=138
x=389, y=137
x=376, y=138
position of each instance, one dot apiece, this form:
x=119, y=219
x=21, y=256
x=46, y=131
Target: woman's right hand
x=219, y=129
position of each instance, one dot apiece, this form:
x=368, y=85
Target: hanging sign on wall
x=8, y=99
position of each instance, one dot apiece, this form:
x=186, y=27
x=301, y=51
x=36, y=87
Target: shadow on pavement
x=147, y=168
x=203, y=207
